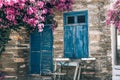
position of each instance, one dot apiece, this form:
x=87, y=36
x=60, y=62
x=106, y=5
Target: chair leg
x=76, y=71
x=79, y=73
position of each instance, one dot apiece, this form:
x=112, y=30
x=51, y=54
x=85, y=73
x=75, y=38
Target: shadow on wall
x=118, y=57
x=2, y=75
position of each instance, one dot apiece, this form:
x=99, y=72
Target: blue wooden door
x=41, y=51
x=76, y=34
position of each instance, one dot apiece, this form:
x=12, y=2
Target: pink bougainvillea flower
x=63, y=0
x=15, y=22
x=22, y=1
x=24, y=19
x=42, y=18
x=64, y=5
x=36, y=16
x=118, y=25
x=110, y=12
x=33, y=22
x=69, y=7
x=10, y=17
x=8, y=2
x=1, y=3
x=31, y=10
x=5, y=26
x=17, y=12
x=34, y=10
x=0, y=19
x=40, y=4
x=10, y=11
x=15, y=1
x=32, y=1
x=116, y=4
x=107, y=21
x=40, y=27
x=22, y=5
x=71, y=1
x=113, y=16
x=44, y=11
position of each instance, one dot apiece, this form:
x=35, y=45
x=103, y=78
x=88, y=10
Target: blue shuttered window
x=76, y=34
x=41, y=51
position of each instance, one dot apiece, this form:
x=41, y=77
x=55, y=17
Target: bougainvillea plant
x=30, y=14
x=113, y=15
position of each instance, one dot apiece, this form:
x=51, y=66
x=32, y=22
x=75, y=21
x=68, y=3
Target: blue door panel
x=35, y=69
x=35, y=41
x=47, y=39
x=82, y=41
x=36, y=57
x=69, y=42
x=85, y=39
x=35, y=62
x=41, y=54
x=46, y=50
x=79, y=42
x=47, y=61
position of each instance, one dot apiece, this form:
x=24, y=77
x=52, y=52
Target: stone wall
x=15, y=60
x=99, y=35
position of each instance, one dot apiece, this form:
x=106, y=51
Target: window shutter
x=41, y=51
x=35, y=55
x=69, y=35
x=81, y=42
x=47, y=50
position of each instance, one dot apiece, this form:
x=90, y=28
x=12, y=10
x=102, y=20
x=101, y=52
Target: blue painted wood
x=47, y=50
x=35, y=62
x=41, y=51
x=81, y=42
x=35, y=41
x=76, y=36
x=69, y=41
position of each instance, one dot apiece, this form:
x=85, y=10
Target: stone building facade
x=15, y=60
x=99, y=35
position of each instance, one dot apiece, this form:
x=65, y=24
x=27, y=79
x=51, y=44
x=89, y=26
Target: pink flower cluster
x=63, y=5
x=29, y=12
x=113, y=15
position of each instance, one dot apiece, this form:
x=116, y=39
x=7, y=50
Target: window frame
x=76, y=14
